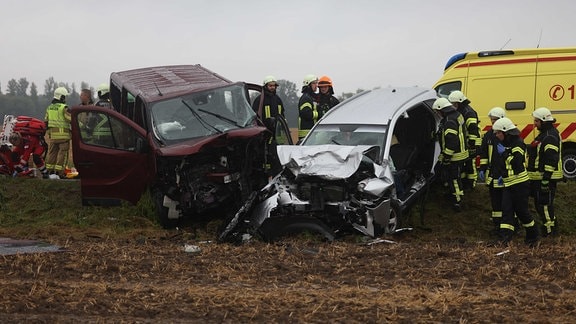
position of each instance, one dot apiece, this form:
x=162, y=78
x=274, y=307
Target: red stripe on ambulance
x=526, y=130
x=568, y=131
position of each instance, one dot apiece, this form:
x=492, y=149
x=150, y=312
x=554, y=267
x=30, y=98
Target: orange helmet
x=324, y=81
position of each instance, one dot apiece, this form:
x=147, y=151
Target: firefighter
x=103, y=93
x=489, y=170
x=308, y=106
x=326, y=99
x=545, y=168
x=453, y=150
x=272, y=105
x=58, y=122
x=23, y=147
x=473, y=139
x=270, y=109
x=515, y=182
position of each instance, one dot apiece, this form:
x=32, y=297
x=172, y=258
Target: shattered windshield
x=347, y=135
x=202, y=114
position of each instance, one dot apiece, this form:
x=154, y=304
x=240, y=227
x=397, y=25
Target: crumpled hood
x=330, y=162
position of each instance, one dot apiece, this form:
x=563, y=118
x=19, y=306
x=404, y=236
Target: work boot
x=504, y=238
x=532, y=236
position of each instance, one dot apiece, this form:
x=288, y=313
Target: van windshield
x=202, y=114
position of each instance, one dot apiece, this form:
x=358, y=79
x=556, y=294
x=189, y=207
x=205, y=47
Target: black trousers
x=545, y=211
x=515, y=202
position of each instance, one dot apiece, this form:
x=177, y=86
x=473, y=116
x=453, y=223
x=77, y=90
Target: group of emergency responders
x=512, y=170
x=47, y=143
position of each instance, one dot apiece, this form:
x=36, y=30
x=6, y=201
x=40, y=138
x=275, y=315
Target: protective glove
x=500, y=148
x=500, y=181
x=481, y=176
x=444, y=159
x=544, y=194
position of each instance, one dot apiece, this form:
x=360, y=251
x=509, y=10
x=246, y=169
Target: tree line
x=22, y=98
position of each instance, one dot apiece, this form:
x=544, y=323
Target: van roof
x=509, y=52
x=378, y=106
x=160, y=82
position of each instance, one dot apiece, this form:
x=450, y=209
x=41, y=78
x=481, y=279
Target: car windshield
x=202, y=114
x=347, y=135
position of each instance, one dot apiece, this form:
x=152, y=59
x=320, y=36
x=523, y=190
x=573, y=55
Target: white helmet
x=309, y=79
x=505, y=125
x=103, y=89
x=59, y=92
x=457, y=96
x=269, y=79
x=441, y=103
x=497, y=112
x=543, y=114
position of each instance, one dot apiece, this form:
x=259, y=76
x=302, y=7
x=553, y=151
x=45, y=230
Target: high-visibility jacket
x=308, y=114
x=514, y=161
x=452, y=137
x=471, y=121
x=58, y=119
x=544, y=160
x=490, y=161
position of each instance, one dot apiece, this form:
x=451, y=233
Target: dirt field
x=150, y=280
x=434, y=274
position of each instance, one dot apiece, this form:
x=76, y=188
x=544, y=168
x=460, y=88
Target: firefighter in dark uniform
x=308, y=106
x=462, y=104
x=516, y=191
x=453, y=150
x=326, y=99
x=545, y=168
x=489, y=170
x=268, y=106
x=272, y=105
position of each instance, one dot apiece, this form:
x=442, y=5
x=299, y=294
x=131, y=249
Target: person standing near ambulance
x=308, y=106
x=515, y=183
x=453, y=150
x=58, y=132
x=490, y=167
x=545, y=168
x=473, y=139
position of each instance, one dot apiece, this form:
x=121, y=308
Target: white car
x=361, y=168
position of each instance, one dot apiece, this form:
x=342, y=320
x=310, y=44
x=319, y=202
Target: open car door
x=111, y=154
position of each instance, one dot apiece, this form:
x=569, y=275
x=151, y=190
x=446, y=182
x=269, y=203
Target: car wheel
x=569, y=163
x=162, y=212
x=395, y=220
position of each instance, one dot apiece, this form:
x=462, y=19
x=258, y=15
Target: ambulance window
x=444, y=90
x=515, y=105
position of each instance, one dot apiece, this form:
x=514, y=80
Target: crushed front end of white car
x=327, y=189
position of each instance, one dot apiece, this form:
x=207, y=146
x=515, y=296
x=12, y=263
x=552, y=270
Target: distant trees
x=22, y=97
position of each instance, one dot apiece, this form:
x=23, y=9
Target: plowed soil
x=441, y=272
x=153, y=280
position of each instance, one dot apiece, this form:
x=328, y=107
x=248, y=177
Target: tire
x=569, y=163
x=162, y=212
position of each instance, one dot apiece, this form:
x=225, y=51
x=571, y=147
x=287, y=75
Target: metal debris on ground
x=9, y=246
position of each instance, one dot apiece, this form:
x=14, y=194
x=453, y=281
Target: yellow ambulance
x=519, y=80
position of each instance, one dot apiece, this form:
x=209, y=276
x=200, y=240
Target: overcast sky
x=358, y=43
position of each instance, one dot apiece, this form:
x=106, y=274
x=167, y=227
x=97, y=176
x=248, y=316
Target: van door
x=112, y=156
